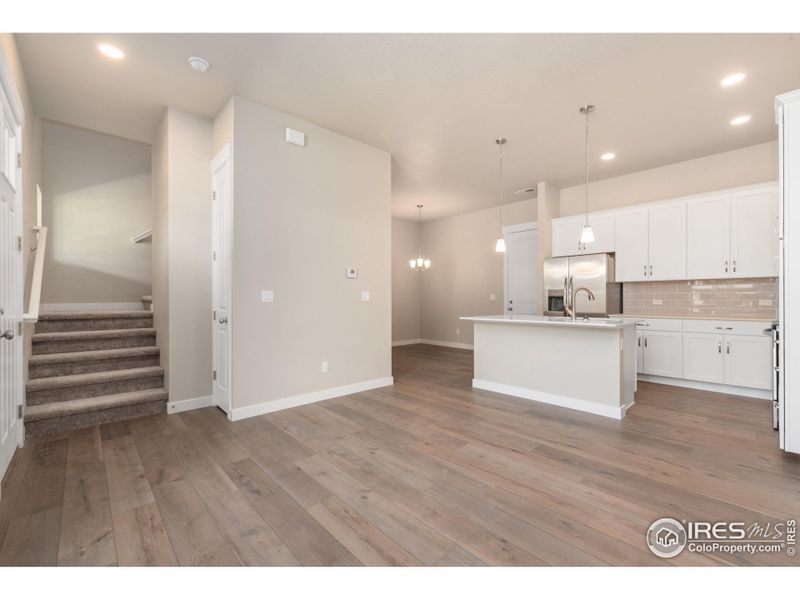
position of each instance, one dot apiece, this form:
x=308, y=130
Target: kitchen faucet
x=570, y=310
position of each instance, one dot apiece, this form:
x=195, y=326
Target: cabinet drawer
x=659, y=325
x=726, y=327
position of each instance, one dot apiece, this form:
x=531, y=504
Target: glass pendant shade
x=587, y=235
x=500, y=246
x=412, y=263
x=419, y=263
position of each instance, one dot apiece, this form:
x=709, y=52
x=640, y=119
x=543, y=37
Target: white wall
x=406, y=284
x=96, y=193
x=182, y=153
x=302, y=216
x=752, y=164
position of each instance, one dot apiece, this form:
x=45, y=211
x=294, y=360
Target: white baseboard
x=87, y=306
x=406, y=342
x=293, y=401
x=458, y=345
x=613, y=412
x=720, y=388
x=179, y=406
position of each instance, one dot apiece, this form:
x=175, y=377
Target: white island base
x=584, y=365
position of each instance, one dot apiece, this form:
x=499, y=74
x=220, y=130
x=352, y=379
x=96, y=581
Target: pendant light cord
x=500, y=143
x=419, y=220
x=586, y=188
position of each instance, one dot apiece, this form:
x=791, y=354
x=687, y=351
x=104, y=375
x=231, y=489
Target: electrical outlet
x=765, y=302
x=365, y=296
x=267, y=296
x=658, y=301
x=492, y=297
x=324, y=366
x=458, y=331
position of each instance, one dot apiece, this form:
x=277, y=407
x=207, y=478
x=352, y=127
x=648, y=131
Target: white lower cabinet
x=662, y=353
x=639, y=352
x=748, y=361
x=702, y=357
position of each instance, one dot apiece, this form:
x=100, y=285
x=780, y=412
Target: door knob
x=223, y=320
x=8, y=334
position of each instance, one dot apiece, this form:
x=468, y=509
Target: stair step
x=79, y=341
x=93, y=320
x=89, y=385
x=91, y=361
x=74, y=414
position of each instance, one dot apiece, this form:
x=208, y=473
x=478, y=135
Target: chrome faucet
x=571, y=308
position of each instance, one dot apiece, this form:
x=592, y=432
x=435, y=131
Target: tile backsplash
x=713, y=298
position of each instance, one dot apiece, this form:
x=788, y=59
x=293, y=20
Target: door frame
x=516, y=229
x=223, y=156
x=10, y=96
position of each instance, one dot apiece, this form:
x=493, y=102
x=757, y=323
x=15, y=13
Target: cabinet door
x=662, y=353
x=754, y=243
x=748, y=361
x=708, y=237
x=630, y=245
x=567, y=236
x=603, y=229
x=703, y=357
x=667, y=248
x=639, y=352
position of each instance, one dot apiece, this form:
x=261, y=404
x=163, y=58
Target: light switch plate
x=365, y=296
x=298, y=138
x=267, y=296
x=492, y=297
x=351, y=273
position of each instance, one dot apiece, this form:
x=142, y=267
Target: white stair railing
x=32, y=314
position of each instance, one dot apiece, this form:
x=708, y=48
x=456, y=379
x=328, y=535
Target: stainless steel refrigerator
x=592, y=271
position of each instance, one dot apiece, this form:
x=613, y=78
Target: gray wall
x=406, y=284
x=302, y=215
x=182, y=152
x=96, y=196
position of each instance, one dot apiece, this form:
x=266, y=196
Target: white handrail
x=36, y=279
x=145, y=236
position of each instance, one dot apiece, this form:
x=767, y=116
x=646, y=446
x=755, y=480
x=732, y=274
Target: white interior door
x=11, y=428
x=522, y=271
x=222, y=224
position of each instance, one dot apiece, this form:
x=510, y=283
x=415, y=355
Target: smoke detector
x=198, y=64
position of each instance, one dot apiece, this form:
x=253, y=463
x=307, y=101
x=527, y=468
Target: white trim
x=145, y=236
x=520, y=227
x=10, y=90
x=293, y=401
x=180, y=406
x=35, y=296
x=732, y=390
x=458, y=345
x=221, y=157
x=406, y=342
x=88, y=306
x=613, y=412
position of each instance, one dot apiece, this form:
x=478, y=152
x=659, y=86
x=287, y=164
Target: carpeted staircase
x=89, y=368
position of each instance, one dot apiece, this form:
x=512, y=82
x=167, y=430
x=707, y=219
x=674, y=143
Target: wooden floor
x=429, y=472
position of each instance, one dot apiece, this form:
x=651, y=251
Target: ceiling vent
x=198, y=64
x=527, y=190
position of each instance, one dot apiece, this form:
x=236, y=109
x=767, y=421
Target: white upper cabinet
x=754, y=241
x=708, y=233
x=667, y=244
x=630, y=243
x=567, y=235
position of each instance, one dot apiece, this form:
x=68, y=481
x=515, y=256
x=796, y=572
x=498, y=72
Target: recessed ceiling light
x=199, y=64
x=111, y=51
x=732, y=79
x=740, y=120
x=608, y=156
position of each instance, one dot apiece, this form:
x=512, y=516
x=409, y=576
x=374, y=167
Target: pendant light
x=419, y=263
x=587, y=235
x=500, y=246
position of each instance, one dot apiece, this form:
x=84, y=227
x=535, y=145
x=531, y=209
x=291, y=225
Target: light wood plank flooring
x=429, y=472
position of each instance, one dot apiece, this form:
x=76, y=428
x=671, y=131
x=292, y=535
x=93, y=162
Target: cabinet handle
x=726, y=266
x=728, y=348
x=651, y=270
x=734, y=266
x=719, y=347
x=645, y=270
x=645, y=342
x=639, y=342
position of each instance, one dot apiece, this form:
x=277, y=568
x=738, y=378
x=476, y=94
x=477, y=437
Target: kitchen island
x=587, y=365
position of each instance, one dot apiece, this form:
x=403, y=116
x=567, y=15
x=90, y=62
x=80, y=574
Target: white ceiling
x=438, y=101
